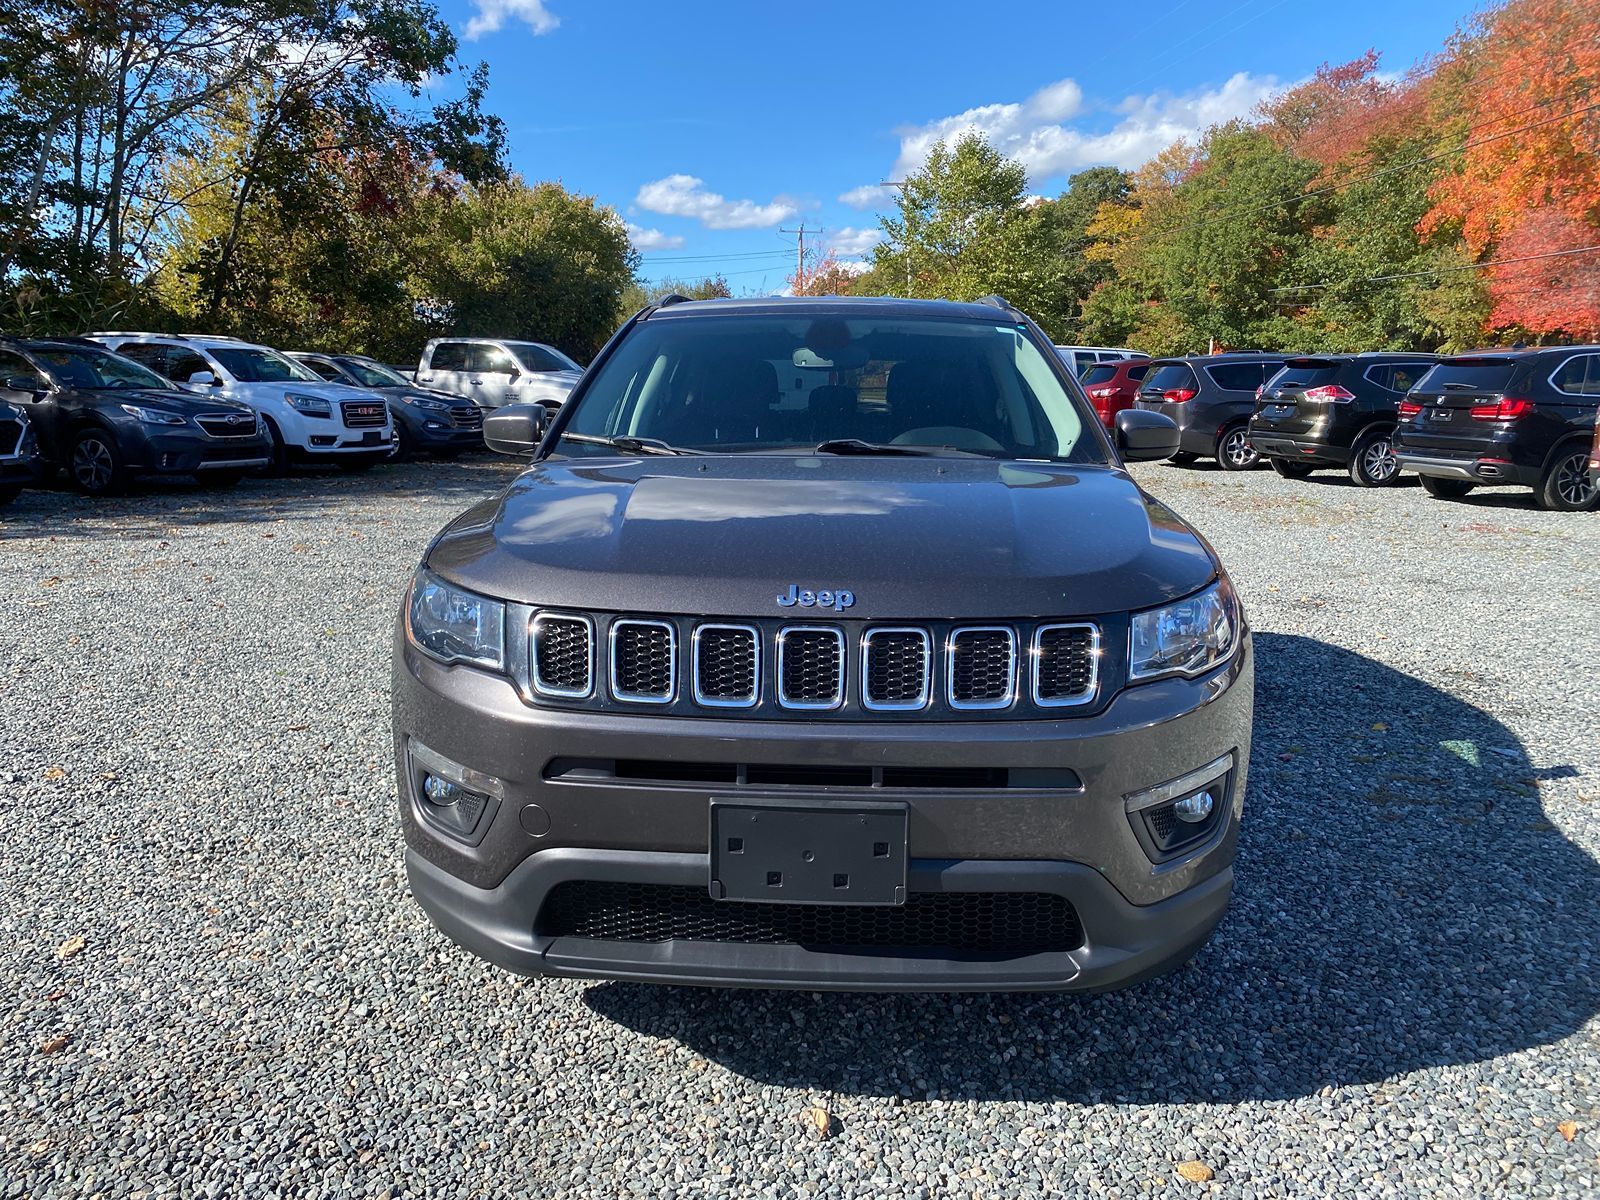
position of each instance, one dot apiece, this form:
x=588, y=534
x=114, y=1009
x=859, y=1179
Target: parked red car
x=1114, y=386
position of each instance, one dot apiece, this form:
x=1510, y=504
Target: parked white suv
x=493, y=373
x=310, y=419
x=1079, y=358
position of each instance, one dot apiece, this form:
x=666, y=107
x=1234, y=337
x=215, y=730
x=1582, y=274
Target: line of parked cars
x=108, y=407
x=1524, y=416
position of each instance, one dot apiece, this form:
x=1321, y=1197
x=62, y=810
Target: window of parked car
x=373, y=375
x=1470, y=375
x=490, y=359
x=449, y=356
x=323, y=368
x=256, y=364
x=1305, y=373
x=179, y=364
x=1168, y=376
x=93, y=370
x=1397, y=377
x=538, y=357
x=1241, y=377
x=1106, y=372
x=146, y=354
x=714, y=385
x=1579, y=375
x=14, y=366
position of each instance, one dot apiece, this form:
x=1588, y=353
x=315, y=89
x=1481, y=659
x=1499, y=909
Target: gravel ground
x=195, y=781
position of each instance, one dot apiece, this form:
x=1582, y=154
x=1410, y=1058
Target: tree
x=1068, y=218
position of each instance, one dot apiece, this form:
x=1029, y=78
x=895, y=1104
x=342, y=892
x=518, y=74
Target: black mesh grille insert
x=897, y=668
x=641, y=663
x=725, y=664
x=949, y=922
x=1065, y=663
x=982, y=666
x=234, y=425
x=561, y=655
x=813, y=668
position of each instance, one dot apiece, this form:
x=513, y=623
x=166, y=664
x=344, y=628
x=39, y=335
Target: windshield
x=257, y=364
x=782, y=383
x=372, y=375
x=76, y=367
x=538, y=357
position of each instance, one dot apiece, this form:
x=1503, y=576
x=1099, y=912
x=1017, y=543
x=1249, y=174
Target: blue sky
x=711, y=126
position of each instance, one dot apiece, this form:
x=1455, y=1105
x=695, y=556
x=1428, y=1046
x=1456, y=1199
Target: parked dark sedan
x=424, y=419
x=1335, y=410
x=19, y=451
x=1498, y=417
x=107, y=419
x=1211, y=397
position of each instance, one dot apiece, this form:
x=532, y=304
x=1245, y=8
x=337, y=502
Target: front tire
x=403, y=449
x=279, y=464
x=1566, y=486
x=1234, y=451
x=1372, y=461
x=1289, y=469
x=1183, y=458
x=96, y=464
x=1446, y=489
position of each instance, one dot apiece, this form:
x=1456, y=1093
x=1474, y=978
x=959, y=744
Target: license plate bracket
x=782, y=852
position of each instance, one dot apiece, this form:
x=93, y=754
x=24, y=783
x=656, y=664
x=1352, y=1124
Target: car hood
x=914, y=538
x=395, y=391
x=321, y=390
x=172, y=400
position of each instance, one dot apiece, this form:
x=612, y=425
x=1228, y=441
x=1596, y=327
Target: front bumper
x=156, y=451
x=432, y=431
x=546, y=827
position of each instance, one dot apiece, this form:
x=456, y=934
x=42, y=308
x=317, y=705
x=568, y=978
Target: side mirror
x=514, y=376
x=31, y=384
x=1143, y=436
x=515, y=429
x=204, y=379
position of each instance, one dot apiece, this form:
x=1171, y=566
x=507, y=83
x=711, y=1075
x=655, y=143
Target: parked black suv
x=1335, y=410
x=1494, y=417
x=825, y=643
x=1211, y=397
x=19, y=451
x=107, y=419
x=424, y=419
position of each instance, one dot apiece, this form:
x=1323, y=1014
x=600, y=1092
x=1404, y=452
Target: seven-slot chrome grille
x=363, y=414
x=683, y=666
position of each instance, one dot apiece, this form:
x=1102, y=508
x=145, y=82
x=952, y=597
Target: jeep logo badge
x=795, y=597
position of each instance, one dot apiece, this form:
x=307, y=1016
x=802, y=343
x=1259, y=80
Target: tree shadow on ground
x=153, y=507
x=1402, y=903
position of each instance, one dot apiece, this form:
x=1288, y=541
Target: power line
x=715, y=257
x=1498, y=262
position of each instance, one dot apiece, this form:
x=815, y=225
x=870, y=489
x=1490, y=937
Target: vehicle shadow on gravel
x=1402, y=903
x=154, y=507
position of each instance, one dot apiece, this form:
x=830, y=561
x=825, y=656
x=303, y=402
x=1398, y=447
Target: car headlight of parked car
x=1188, y=637
x=311, y=406
x=154, y=416
x=455, y=625
x=423, y=401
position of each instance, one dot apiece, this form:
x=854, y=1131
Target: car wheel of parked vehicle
x=403, y=449
x=1183, y=458
x=1567, y=486
x=95, y=466
x=1234, y=451
x=1372, y=460
x=1446, y=489
x=280, y=452
x=1291, y=470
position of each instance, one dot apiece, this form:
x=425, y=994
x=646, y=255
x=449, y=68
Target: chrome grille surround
x=924, y=692
x=363, y=414
x=785, y=655
x=542, y=626
x=968, y=634
x=1037, y=671
x=621, y=636
x=699, y=646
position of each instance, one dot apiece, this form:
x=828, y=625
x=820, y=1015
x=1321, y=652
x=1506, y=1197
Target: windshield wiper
x=628, y=445
x=860, y=446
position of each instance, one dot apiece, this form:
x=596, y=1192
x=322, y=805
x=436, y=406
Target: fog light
x=442, y=792
x=452, y=798
x=1195, y=808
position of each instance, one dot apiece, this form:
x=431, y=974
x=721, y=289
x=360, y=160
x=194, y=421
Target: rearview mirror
x=204, y=379
x=1143, y=436
x=515, y=429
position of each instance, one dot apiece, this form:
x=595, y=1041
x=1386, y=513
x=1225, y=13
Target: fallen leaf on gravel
x=819, y=1122
x=299, y=728
x=42, y=1146
x=1380, y=727
x=58, y=994
x=56, y=774
x=72, y=946
x=108, y=775
x=54, y=1045
x=1195, y=1171
x=1568, y=1129
x=50, y=582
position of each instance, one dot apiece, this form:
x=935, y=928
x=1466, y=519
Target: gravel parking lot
x=195, y=780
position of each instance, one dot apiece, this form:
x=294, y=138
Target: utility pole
x=800, y=251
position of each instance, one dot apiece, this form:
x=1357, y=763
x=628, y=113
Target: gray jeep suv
x=825, y=644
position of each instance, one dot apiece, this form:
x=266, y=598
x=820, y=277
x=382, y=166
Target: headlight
x=455, y=625
x=1186, y=638
x=424, y=401
x=154, y=416
x=311, y=406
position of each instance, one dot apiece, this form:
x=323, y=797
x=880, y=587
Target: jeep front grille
x=981, y=670
x=727, y=665
x=563, y=655
x=1066, y=660
x=896, y=669
x=810, y=667
x=644, y=666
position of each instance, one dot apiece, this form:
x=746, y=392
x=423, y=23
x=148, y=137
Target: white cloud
x=849, y=243
x=869, y=195
x=492, y=15
x=652, y=239
x=686, y=196
x=1038, y=131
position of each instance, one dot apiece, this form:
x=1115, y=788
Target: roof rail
x=996, y=301
x=672, y=298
